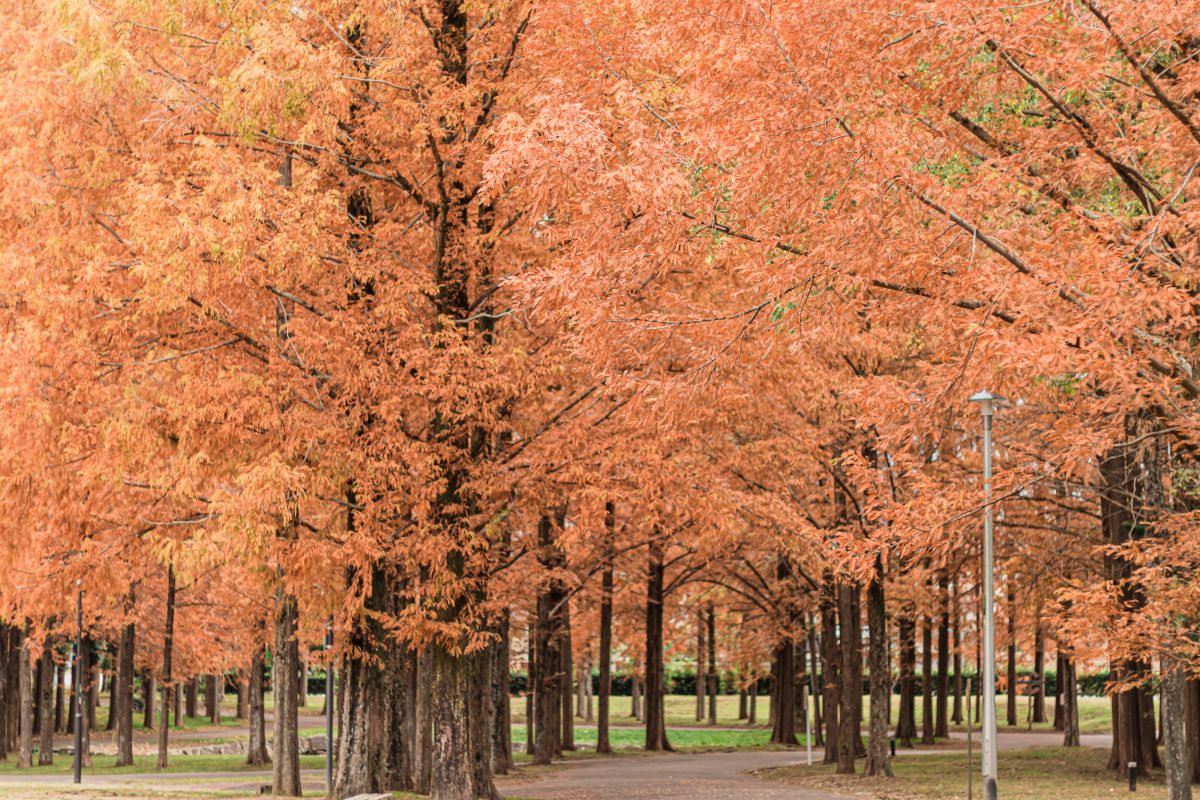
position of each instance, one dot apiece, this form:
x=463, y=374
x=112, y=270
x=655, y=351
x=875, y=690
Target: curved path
x=679, y=776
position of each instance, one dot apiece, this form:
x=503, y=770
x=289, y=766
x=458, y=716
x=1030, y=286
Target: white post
x=808, y=730
x=988, y=689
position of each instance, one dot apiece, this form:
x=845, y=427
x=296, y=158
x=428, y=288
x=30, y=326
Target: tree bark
x=878, y=763
x=701, y=682
x=906, y=724
x=149, y=692
x=1175, y=750
x=548, y=692
x=502, y=755
x=567, y=672
x=849, y=735
x=1059, y=669
x=830, y=670
x=957, y=715
x=212, y=698
x=123, y=693
x=191, y=697
x=941, y=728
x=285, y=774
x=168, y=642
x=25, y=693
x=423, y=743
x=46, y=706
x=243, y=697
x=635, y=697
x=713, y=678
x=656, y=725
x=256, y=753
x=606, y=613
x=816, y=692
x=927, y=682
x=783, y=695
x=1012, y=661
x=1039, y=675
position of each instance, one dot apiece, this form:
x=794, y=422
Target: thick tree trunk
x=549, y=659
x=212, y=698
x=243, y=697
x=285, y=774
x=85, y=663
x=878, y=763
x=742, y=698
x=123, y=694
x=752, y=712
x=8, y=698
x=830, y=671
x=848, y=736
x=423, y=742
x=1192, y=727
x=192, y=696
x=606, y=614
x=168, y=645
x=783, y=695
x=256, y=752
x=46, y=706
x=656, y=724
x=906, y=725
x=941, y=727
x=453, y=776
x=60, y=698
x=1175, y=750
x=531, y=679
x=177, y=699
x=149, y=692
x=814, y=656
x=12, y=668
x=25, y=695
x=856, y=661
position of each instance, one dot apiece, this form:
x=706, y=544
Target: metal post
x=329, y=708
x=79, y=688
x=988, y=689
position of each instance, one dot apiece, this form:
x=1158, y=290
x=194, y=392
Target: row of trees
x=449, y=321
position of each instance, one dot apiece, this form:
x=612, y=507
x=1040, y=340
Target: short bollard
x=892, y=741
x=1133, y=776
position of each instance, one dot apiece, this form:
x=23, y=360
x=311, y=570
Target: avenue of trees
x=587, y=335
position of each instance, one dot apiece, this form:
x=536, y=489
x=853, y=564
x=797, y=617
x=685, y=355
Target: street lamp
x=987, y=402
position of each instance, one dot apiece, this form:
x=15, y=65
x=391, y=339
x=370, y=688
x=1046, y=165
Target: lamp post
x=79, y=684
x=987, y=402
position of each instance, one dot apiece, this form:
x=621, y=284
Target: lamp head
x=987, y=401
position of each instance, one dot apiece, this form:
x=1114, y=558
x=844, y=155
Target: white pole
x=988, y=690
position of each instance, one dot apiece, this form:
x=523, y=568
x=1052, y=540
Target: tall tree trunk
x=752, y=712
x=25, y=695
x=927, y=682
x=1192, y=729
x=192, y=695
x=123, y=694
x=701, y=682
x=743, y=696
x=1059, y=669
x=548, y=687
x=60, y=697
x=212, y=698
x=606, y=613
x=957, y=715
x=1039, y=675
x=1012, y=661
x=86, y=662
x=243, y=696
x=423, y=743
x=531, y=679
x=906, y=724
x=177, y=698
x=502, y=755
x=656, y=724
x=714, y=680
x=46, y=707
x=941, y=726
x=567, y=671
x=285, y=774
x=783, y=699
x=816, y=692
x=881, y=676
x=635, y=697
x=848, y=736
x=149, y=692
x=453, y=775
x=1175, y=750
x=8, y=698
x=164, y=724
x=830, y=670
x=256, y=753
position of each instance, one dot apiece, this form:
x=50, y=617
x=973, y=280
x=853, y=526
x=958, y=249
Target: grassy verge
x=105, y=765
x=1044, y=773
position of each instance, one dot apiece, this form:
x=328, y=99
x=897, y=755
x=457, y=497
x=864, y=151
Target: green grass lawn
x=681, y=739
x=105, y=765
x=1034, y=774
x=1095, y=713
